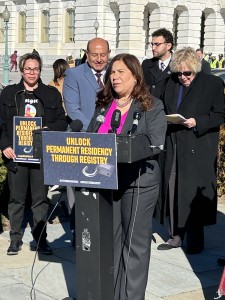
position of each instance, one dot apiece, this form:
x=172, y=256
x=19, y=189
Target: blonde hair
x=187, y=56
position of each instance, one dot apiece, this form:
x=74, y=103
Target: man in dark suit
x=156, y=70
x=205, y=64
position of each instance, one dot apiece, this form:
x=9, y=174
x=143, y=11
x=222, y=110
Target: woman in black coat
x=29, y=98
x=190, y=182
x=138, y=182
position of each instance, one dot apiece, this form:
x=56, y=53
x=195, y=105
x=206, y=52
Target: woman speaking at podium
x=138, y=183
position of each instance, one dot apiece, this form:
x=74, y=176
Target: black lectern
x=94, y=244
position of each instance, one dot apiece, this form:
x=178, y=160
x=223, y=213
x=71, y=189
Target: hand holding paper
x=190, y=123
x=175, y=119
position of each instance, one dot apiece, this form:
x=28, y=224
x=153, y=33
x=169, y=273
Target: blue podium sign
x=23, y=138
x=80, y=159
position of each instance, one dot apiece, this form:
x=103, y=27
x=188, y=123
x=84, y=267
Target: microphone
x=39, y=131
x=136, y=118
x=75, y=126
x=99, y=121
x=115, y=120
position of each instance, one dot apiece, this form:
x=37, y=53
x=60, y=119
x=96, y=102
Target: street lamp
x=96, y=25
x=6, y=16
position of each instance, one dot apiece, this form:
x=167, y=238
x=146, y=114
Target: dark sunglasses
x=185, y=73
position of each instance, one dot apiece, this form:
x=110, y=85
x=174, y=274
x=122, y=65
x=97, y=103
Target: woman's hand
x=9, y=153
x=190, y=123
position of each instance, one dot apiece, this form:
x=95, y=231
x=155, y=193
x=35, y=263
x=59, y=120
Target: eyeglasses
x=157, y=44
x=185, y=73
x=30, y=70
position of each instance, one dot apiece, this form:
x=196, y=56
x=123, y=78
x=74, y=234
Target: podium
x=94, y=244
x=93, y=199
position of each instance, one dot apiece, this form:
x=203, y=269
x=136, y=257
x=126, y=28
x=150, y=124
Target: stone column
x=56, y=23
x=157, y=20
x=86, y=14
x=214, y=33
x=131, y=33
x=32, y=24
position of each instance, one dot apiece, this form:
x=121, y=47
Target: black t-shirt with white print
x=30, y=106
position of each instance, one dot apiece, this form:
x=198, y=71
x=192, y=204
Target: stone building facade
x=58, y=27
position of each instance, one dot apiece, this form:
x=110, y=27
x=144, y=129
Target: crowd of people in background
x=209, y=60
x=178, y=184
x=215, y=61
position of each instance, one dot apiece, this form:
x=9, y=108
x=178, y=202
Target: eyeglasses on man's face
x=185, y=73
x=157, y=44
x=30, y=70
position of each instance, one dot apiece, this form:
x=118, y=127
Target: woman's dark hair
x=27, y=56
x=140, y=92
x=59, y=68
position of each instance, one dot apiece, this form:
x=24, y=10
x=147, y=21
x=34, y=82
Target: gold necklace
x=123, y=104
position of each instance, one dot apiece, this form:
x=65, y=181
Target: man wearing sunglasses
x=29, y=98
x=156, y=70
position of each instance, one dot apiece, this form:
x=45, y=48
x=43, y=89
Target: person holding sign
x=126, y=94
x=190, y=183
x=30, y=98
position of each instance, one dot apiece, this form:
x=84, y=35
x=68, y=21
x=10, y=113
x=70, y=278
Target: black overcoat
x=154, y=77
x=196, y=182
